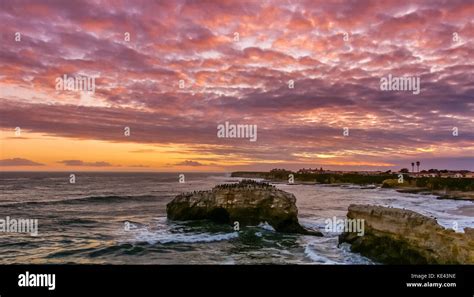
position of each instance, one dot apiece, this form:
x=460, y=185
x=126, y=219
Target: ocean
x=120, y=218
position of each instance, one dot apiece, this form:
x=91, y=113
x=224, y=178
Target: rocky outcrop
x=398, y=236
x=247, y=202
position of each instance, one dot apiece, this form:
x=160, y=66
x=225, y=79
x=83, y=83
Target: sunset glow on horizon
x=306, y=73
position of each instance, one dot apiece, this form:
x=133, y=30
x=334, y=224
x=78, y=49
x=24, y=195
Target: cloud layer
x=234, y=60
x=19, y=162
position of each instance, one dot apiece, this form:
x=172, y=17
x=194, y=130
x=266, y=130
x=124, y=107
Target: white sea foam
x=162, y=233
x=266, y=226
x=318, y=258
x=334, y=201
x=164, y=237
x=438, y=208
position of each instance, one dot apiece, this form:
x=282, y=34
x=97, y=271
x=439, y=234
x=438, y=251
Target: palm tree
x=412, y=166
x=418, y=165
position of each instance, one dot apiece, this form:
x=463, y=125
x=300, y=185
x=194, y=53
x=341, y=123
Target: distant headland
x=446, y=184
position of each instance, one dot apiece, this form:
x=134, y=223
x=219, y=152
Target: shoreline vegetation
x=443, y=187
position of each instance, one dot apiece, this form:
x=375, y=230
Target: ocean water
x=120, y=218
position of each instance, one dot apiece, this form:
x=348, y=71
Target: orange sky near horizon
x=301, y=72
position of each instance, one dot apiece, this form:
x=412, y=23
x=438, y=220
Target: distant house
x=453, y=175
x=310, y=170
x=422, y=174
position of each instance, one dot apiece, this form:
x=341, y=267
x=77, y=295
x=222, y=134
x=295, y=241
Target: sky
x=306, y=74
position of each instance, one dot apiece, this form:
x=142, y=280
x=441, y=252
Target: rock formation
x=247, y=202
x=398, y=236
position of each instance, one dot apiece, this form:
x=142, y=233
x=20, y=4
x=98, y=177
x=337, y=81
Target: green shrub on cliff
x=393, y=183
x=439, y=183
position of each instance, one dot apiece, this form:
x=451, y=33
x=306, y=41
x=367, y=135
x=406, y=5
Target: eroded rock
x=398, y=236
x=247, y=202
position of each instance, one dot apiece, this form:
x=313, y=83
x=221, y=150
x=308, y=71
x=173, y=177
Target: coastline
x=141, y=200
x=453, y=195
x=384, y=180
